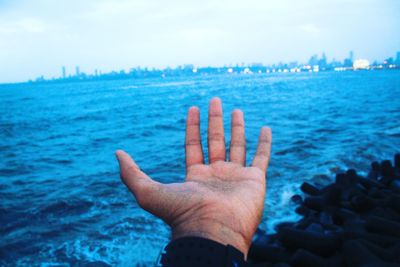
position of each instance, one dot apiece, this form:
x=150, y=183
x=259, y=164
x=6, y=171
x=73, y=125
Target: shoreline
x=160, y=75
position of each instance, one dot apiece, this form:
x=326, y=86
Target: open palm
x=223, y=200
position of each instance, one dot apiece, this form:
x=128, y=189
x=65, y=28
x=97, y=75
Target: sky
x=38, y=37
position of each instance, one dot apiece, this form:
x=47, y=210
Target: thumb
x=142, y=186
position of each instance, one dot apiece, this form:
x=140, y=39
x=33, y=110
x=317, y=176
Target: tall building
x=323, y=61
x=351, y=56
x=348, y=62
x=313, y=60
x=64, y=72
x=77, y=72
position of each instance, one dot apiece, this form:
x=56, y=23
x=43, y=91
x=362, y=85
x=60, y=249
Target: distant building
x=348, y=62
x=77, y=72
x=351, y=55
x=388, y=61
x=360, y=64
x=188, y=67
x=313, y=60
x=64, y=72
x=323, y=61
x=335, y=63
x=247, y=71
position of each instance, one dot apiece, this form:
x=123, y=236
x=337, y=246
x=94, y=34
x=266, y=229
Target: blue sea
x=61, y=199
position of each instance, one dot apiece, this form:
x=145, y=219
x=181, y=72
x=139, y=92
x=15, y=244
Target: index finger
x=193, y=148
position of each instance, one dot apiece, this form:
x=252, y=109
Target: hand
x=223, y=200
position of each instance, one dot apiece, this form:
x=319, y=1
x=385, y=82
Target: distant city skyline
x=314, y=64
x=322, y=61
x=40, y=37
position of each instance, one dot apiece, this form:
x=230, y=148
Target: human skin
x=223, y=200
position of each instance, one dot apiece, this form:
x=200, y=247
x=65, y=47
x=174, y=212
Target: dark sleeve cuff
x=197, y=251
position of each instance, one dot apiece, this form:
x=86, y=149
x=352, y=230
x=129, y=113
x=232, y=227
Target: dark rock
x=341, y=179
x=393, y=201
x=362, y=203
x=352, y=175
x=397, y=161
x=320, y=244
x=370, y=184
x=310, y=189
x=284, y=225
x=297, y=199
x=333, y=194
x=266, y=252
x=386, y=254
x=263, y=264
x=388, y=172
x=302, y=210
x=340, y=216
x=315, y=227
x=305, y=222
x=395, y=185
x=378, y=239
x=376, y=193
x=383, y=226
x=375, y=166
x=307, y=259
x=347, y=179
x=375, y=171
x=315, y=203
x=354, y=221
x=356, y=255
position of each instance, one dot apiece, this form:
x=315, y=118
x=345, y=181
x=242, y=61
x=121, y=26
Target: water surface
x=61, y=200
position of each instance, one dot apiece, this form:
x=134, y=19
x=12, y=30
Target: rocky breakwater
x=354, y=221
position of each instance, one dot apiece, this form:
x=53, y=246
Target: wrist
x=214, y=231
x=200, y=252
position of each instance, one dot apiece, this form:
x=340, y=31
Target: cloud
x=107, y=9
x=310, y=28
x=202, y=35
x=24, y=25
x=32, y=25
